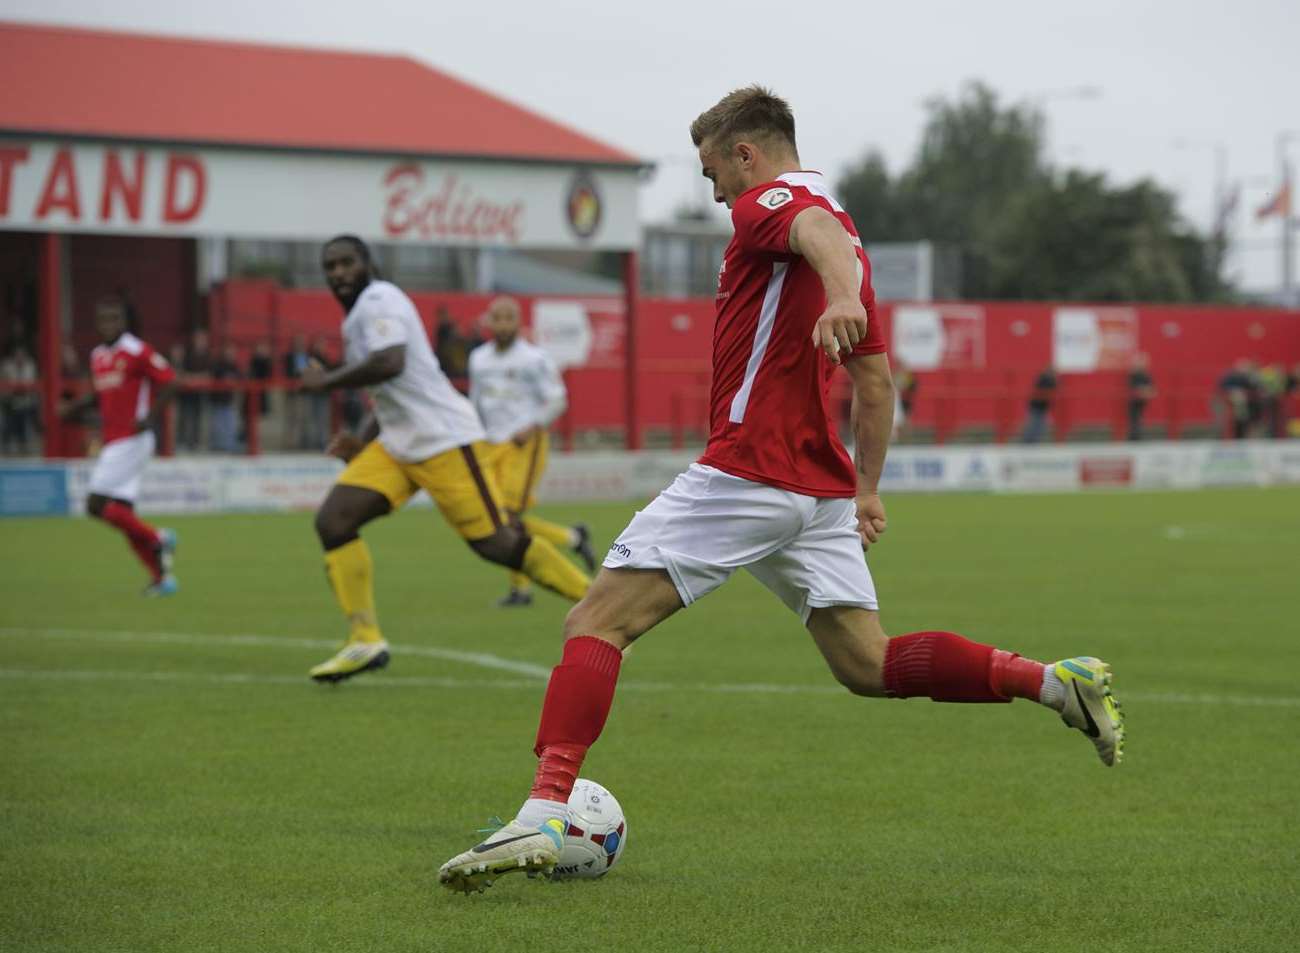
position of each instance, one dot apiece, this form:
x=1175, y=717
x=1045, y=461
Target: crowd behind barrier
x=241, y=395
x=231, y=408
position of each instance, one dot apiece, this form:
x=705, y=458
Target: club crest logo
x=583, y=206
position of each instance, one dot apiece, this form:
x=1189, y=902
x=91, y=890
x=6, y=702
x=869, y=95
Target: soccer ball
x=596, y=833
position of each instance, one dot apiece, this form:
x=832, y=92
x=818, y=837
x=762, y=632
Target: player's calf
x=853, y=643
x=946, y=667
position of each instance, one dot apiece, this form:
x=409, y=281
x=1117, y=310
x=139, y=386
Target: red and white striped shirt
x=123, y=373
x=770, y=418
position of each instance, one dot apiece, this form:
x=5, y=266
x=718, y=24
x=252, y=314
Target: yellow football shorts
x=518, y=470
x=458, y=480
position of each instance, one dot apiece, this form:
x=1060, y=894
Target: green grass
x=149, y=805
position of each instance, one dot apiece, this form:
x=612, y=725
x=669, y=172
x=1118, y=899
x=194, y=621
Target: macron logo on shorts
x=619, y=549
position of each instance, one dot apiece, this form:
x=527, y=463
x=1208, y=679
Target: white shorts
x=117, y=471
x=708, y=524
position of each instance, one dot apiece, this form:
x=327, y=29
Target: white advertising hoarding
x=48, y=185
x=288, y=483
x=1093, y=339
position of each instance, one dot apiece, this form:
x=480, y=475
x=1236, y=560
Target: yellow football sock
x=553, y=533
x=351, y=575
x=519, y=582
x=546, y=566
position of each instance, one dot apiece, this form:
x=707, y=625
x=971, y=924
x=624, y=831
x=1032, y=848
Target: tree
x=980, y=182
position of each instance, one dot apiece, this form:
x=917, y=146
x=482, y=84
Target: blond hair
x=753, y=112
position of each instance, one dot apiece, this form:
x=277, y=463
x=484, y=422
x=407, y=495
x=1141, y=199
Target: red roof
x=130, y=86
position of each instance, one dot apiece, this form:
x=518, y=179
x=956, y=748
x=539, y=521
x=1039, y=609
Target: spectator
x=17, y=335
x=19, y=407
x=195, y=367
x=74, y=385
x=316, y=419
x=295, y=402
x=1141, y=391
x=904, y=396
x=1040, y=405
x=1272, y=382
x=354, y=410
x=1293, y=400
x=1238, y=392
x=450, y=346
x=224, y=422
x=261, y=367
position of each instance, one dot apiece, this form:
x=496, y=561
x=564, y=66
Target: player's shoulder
x=764, y=199
x=528, y=350
x=380, y=294
x=793, y=190
x=131, y=344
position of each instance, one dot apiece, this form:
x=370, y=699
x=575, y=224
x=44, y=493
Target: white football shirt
x=515, y=388
x=420, y=414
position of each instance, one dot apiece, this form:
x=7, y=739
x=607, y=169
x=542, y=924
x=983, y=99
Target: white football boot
x=515, y=848
x=1090, y=707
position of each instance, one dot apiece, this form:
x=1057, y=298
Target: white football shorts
x=117, y=471
x=708, y=524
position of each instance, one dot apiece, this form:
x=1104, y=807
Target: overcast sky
x=857, y=74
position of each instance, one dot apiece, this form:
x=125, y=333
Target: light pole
x=1220, y=150
x=1217, y=247
x=1284, y=176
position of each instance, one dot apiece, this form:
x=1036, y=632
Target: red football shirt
x=770, y=418
x=123, y=373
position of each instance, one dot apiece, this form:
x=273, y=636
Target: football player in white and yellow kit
x=423, y=435
x=517, y=391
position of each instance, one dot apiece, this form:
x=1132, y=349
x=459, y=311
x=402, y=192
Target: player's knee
x=95, y=504
x=578, y=621
x=505, y=547
x=590, y=617
x=334, y=527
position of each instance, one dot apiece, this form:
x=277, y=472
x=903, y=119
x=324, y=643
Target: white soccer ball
x=596, y=833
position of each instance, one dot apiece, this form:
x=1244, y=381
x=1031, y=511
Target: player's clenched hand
x=523, y=436
x=313, y=376
x=871, y=518
x=842, y=325
x=344, y=446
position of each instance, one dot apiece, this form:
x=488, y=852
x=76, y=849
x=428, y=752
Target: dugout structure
x=127, y=161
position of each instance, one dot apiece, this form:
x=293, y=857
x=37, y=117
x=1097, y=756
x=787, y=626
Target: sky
x=1172, y=80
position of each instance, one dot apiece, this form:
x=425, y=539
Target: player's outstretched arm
x=380, y=366
x=818, y=236
x=873, y=421
x=72, y=409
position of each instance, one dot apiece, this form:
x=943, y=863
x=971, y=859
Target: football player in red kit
x=775, y=493
x=125, y=373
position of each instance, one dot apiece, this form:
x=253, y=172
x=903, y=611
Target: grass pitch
x=173, y=782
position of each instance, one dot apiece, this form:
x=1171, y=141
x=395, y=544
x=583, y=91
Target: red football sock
x=142, y=537
x=1013, y=676
x=939, y=665
x=578, y=698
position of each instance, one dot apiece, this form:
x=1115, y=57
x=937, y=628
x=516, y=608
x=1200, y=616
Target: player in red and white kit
x=125, y=372
x=775, y=492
